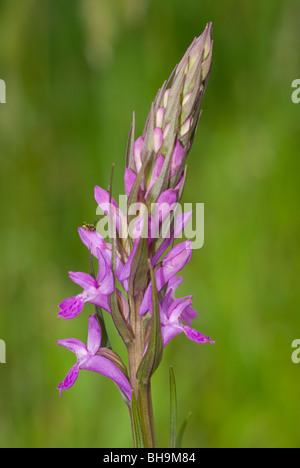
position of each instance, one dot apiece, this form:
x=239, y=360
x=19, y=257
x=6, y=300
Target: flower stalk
x=136, y=279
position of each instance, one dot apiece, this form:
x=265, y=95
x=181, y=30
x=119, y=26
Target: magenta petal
x=181, y=221
x=129, y=180
x=196, y=336
x=177, y=308
x=71, y=307
x=177, y=158
x=161, y=209
x=166, y=243
x=104, y=366
x=102, y=197
x=169, y=297
x=83, y=279
x=94, y=335
x=168, y=332
x=125, y=273
x=73, y=345
x=92, y=240
x=174, y=283
x=108, y=255
x=180, y=182
x=69, y=380
x=101, y=300
x=168, y=196
x=189, y=314
x=180, y=254
x=105, y=276
x=155, y=173
x=173, y=262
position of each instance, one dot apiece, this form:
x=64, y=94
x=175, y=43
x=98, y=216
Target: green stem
x=146, y=414
x=141, y=390
x=132, y=427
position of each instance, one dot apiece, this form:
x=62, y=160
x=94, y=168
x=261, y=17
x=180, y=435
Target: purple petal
x=71, y=307
x=102, y=197
x=69, y=380
x=129, y=180
x=73, y=345
x=173, y=262
x=168, y=332
x=160, y=210
x=168, y=196
x=174, y=283
x=83, y=279
x=160, y=160
x=180, y=253
x=119, y=264
x=196, y=336
x=177, y=158
x=169, y=297
x=125, y=273
x=188, y=314
x=105, y=278
x=101, y=300
x=177, y=308
x=94, y=335
x=181, y=221
x=104, y=366
x=166, y=243
x=92, y=240
x=181, y=181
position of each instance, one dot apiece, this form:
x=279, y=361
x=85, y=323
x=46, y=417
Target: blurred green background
x=75, y=70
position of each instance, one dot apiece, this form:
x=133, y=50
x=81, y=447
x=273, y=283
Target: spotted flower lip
x=87, y=359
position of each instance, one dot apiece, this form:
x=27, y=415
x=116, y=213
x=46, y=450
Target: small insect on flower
x=88, y=227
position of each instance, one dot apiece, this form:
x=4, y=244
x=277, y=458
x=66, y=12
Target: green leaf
x=138, y=435
x=173, y=410
x=153, y=355
x=181, y=431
